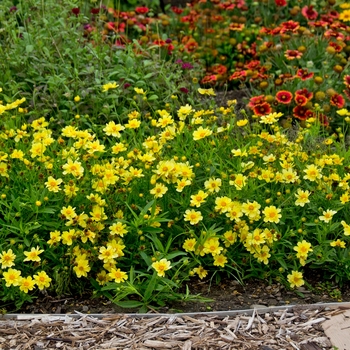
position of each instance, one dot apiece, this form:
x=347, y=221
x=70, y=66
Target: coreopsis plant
x=138, y=207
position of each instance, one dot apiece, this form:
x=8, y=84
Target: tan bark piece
x=337, y=329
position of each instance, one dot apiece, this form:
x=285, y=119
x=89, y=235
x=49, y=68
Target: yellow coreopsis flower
x=189, y=244
x=302, y=197
x=33, y=254
x=239, y=181
x=81, y=267
x=117, y=275
x=26, y=284
x=327, y=215
x=42, y=280
x=338, y=243
x=7, y=259
x=113, y=129
x=68, y=212
x=346, y=228
x=159, y=190
x=52, y=184
x=201, y=272
x=12, y=277
x=193, y=216
x=161, y=266
x=295, y=279
x=272, y=214
x=242, y=122
x=109, y=86
x=201, y=133
x=133, y=124
x=222, y=204
x=303, y=248
x=220, y=260
x=209, y=92
x=198, y=199
x=312, y=173
x=213, y=185
x=212, y=246
x=107, y=253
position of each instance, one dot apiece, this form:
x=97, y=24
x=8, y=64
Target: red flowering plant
x=301, y=68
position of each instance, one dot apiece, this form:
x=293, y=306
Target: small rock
x=85, y=308
x=257, y=306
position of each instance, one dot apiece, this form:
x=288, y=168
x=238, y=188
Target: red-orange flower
x=304, y=74
x=292, y=54
x=309, y=13
x=337, y=100
x=347, y=80
x=241, y=75
x=142, y=10
x=281, y=2
x=302, y=113
x=256, y=100
x=284, y=97
x=305, y=92
x=300, y=100
x=262, y=109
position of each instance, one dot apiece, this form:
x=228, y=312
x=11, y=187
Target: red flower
x=292, y=54
x=281, y=2
x=95, y=11
x=219, y=69
x=309, y=13
x=305, y=92
x=238, y=27
x=142, y=10
x=289, y=26
x=284, y=97
x=347, y=92
x=76, y=11
x=256, y=100
x=323, y=119
x=300, y=100
x=177, y=10
x=209, y=79
x=262, y=109
x=239, y=75
x=301, y=112
x=347, y=80
x=303, y=74
x=337, y=100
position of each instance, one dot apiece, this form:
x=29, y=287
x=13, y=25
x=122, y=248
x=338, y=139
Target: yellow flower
x=209, y=92
x=77, y=98
x=346, y=228
x=201, y=132
x=81, y=267
x=118, y=276
x=55, y=237
x=200, y=271
x=159, y=190
x=312, y=173
x=7, y=259
x=53, y=185
x=102, y=278
x=242, y=122
x=198, y=199
x=263, y=255
x=26, y=284
x=212, y=246
x=345, y=16
x=272, y=214
x=222, y=204
x=327, y=215
x=68, y=212
x=251, y=209
x=107, y=254
x=139, y=91
x=118, y=228
x=12, y=277
x=213, y=185
x=189, y=244
x=3, y=169
x=113, y=129
x=338, y=243
x=303, y=248
x=193, y=216
x=33, y=255
x=220, y=260
x=295, y=279
x=42, y=280
x=109, y=86
x=302, y=197
x=239, y=181
x=73, y=168
x=68, y=236
x=230, y=238
x=161, y=266
x=133, y=124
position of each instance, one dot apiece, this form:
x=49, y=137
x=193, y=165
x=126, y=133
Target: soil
x=227, y=295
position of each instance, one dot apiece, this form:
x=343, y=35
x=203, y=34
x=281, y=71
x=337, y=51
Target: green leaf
x=282, y=263
x=151, y=229
x=174, y=255
x=149, y=75
x=29, y=48
x=147, y=259
x=129, y=62
x=129, y=303
x=152, y=98
x=151, y=286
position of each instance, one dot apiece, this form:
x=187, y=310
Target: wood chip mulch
x=296, y=328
